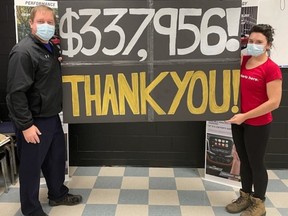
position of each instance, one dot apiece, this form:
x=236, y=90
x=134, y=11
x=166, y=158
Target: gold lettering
x=110, y=96
x=89, y=97
x=145, y=93
x=181, y=85
x=74, y=80
x=214, y=108
x=198, y=75
x=235, y=84
x=125, y=92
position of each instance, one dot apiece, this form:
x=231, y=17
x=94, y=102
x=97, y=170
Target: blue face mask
x=255, y=49
x=45, y=31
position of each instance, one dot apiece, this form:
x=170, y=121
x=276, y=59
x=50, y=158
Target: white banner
x=222, y=164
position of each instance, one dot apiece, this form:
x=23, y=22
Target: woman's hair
x=266, y=30
x=38, y=8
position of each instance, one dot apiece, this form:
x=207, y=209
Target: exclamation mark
x=235, y=85
x=233, y=24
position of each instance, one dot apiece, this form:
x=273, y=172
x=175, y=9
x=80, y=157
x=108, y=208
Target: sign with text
x=128, y=61
x=222, y=164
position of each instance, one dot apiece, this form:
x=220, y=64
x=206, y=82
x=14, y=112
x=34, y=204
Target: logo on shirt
x=249, y=78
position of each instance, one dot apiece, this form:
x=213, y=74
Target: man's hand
x=31, y=135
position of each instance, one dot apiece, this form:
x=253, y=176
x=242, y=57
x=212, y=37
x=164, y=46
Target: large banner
x=128, y=61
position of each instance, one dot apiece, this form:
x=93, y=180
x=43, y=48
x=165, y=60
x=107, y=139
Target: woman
x=261, y=89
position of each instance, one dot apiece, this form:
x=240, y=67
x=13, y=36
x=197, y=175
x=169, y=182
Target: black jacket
x=34, y=85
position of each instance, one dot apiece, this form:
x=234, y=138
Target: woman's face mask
x=257, y=44
x=255, y=49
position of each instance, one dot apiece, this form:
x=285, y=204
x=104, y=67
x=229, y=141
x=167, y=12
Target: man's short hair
x=41, y=7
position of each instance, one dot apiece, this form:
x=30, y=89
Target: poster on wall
x=249, y=13
x=22, y=10
x=222, y=164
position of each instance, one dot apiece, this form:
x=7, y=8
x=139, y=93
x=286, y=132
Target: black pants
x=251, y=143
x=49, y=156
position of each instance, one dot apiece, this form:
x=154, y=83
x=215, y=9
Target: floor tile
x=276, y=185
x=136, y=171
x=162, y=183
x=285, y=181
x=72, y=170
x=196, y=210
x=103, y=196
x=161, y=172
x=279, y=199
x=8, y=209
x=108, y=182
x=273, y=212
x=268, y=203
x=135, y=183
x=189, y=184
x=86, y=171
x=12, y=196
x=112, y=171
x=212, y=186
x=164, y=210
x=186, y=172
x=193, y=198
x=272, y=175
x=283, y=173
x=283, y=211
x=163, y=197
x=71, y=211
x=82, y=182
x=221, y=198
x=220, y=211
x=99, y=210
x=131, y=210
x=139, y=197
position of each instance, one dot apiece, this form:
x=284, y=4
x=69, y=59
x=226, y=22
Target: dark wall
x=7, y=38
x=141, y=144
x=277, y=152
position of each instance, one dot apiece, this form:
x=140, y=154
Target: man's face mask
x=255, y=49
x=45, y=31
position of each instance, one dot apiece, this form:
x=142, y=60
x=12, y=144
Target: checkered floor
x=135, y=191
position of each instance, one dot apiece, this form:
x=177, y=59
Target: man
x=34, y=99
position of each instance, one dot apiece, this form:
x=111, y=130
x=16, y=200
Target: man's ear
x=30, y=23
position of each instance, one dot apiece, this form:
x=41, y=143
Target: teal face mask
x=255, y=49
x=45, y=31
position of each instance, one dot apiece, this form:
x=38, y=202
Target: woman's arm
x=274, y=92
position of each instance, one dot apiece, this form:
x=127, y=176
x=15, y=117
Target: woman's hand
x=237, y=119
